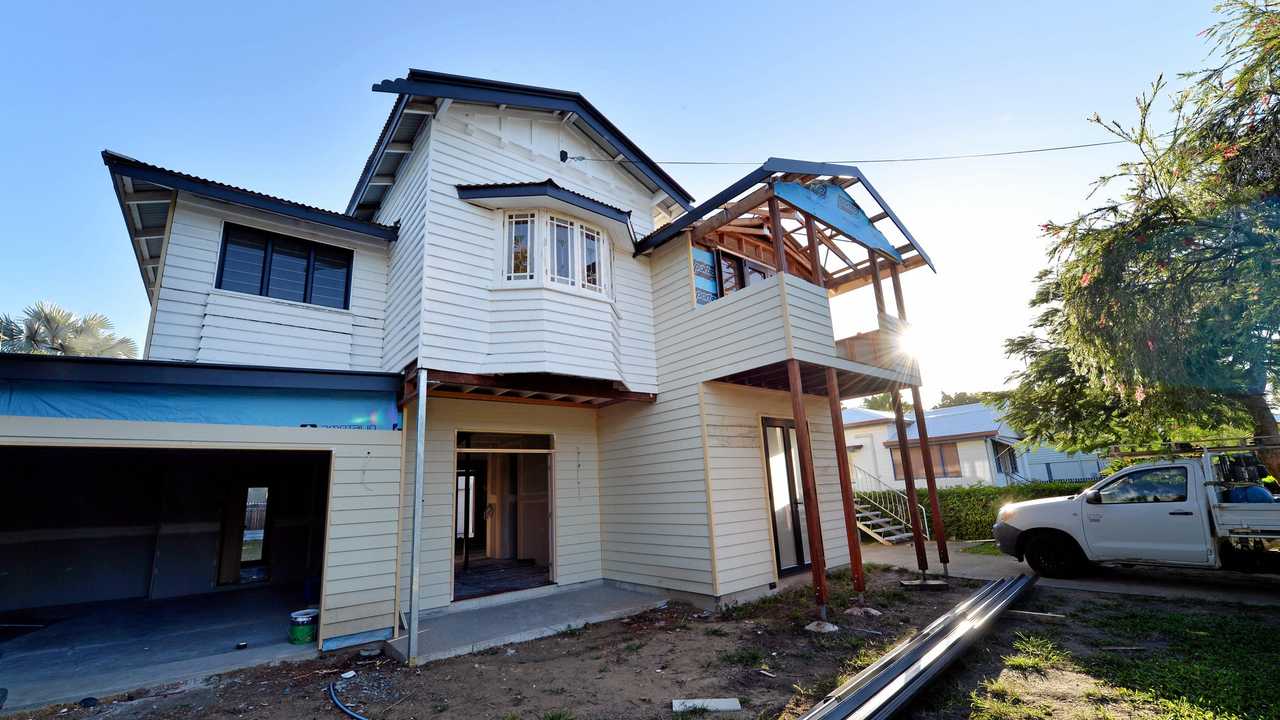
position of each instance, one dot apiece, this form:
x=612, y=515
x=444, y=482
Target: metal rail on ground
x=889, y=683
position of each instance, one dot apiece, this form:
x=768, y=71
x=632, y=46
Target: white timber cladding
x=195, y=321
x=469, y=320
x=741, y=515
x=406, y=203
x=359, y=588
x=575, y=489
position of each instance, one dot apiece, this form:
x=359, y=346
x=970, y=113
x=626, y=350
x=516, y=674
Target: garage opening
x=171, y=553
x=502, y=514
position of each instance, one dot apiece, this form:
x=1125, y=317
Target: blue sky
x=276, y=98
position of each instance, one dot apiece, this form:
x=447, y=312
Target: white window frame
x=542, y=253
x=554, y=222
x=508, y=254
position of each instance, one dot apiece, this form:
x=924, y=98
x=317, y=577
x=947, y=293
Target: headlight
x=1004, y=513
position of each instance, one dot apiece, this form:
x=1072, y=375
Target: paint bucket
x=302, y=626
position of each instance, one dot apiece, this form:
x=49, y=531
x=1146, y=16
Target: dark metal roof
x=428, y=84
x=145, y=172
x=547, y=188
x=62, y=368
x=771, y=168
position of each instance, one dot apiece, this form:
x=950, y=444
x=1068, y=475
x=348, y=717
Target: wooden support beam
x=732, y=211
x=775, y=229
x=875, y=281
x=904, y=454
x=935, y=510
x=847, y=501
x=809, y=486
x=814, y=261
x=897, y=291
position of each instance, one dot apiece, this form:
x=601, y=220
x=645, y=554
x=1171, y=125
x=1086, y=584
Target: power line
x=924, y=158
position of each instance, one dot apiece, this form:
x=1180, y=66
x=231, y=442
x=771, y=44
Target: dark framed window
x=718, y=273
x=1147, y=486
x=264, y=263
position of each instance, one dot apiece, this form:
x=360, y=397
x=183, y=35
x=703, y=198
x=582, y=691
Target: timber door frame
x=802, y=558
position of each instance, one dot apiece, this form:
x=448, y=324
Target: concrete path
x=450, y=632
x=1248, y=588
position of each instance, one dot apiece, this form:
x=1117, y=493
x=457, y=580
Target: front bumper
x=1007, y=538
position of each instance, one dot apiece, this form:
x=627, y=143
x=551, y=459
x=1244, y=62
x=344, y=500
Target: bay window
x=545, y=247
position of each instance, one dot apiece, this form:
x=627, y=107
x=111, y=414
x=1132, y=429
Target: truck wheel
x=1053, y=555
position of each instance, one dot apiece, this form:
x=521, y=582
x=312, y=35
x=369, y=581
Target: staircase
x=883, y=510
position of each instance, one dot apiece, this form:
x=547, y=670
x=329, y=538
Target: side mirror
x=1093, y=498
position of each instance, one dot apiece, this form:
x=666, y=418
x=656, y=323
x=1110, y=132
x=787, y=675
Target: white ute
x=1203, y=511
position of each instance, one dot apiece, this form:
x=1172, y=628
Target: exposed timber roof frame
x=755, y=206
x=424, y=85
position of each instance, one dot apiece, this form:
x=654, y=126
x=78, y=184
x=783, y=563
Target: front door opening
x=502, y=514
x=786, y=499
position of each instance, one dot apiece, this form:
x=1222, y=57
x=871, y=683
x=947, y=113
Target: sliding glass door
x=786, y=499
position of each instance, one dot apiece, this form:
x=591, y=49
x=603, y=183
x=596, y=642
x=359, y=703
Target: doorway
x=502, y=513
x=786, y=499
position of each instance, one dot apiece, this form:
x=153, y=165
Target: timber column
x=818, y=558
x=922, y=431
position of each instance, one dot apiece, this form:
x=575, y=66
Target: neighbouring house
x=520, y=357
x=970, y=444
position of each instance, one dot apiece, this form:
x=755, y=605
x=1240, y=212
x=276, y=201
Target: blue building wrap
x=219, y=405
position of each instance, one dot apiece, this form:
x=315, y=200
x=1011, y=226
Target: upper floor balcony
x=768, y=255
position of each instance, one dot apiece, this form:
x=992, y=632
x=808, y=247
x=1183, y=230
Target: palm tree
x=48, y=329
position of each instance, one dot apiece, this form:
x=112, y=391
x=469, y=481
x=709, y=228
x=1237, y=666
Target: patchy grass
x=746, y=657
x=989, y=707
x=1036, y=653
x=983, y=548
x=1200, y=666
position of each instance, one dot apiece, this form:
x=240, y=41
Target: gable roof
x=144, y=192
x=973, y=420
x=431, y=86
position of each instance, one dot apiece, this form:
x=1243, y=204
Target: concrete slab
x=1248, y=588
x=449, y=633
x=108, y=648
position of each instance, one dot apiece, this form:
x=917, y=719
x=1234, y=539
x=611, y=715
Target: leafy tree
x=884, y=403
x=47, y=329
x=1160, y=309
x=960, y=398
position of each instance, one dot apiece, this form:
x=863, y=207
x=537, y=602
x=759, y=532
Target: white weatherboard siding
x=470, y=323
x=575, y=489
x=194, y=321
x=358, y=592
x=660, y=461
x=406, y=204
x=873, y=457
x=739, y=483
x=808, y=312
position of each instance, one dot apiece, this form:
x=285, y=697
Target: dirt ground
x=1089, y=664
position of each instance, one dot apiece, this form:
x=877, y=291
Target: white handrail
x=870, y=490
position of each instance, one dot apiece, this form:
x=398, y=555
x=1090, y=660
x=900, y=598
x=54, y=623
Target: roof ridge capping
x=121, y=164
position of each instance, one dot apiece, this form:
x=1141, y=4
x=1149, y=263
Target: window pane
x=730, y=272
x=590, y=258
x=288, y=279
x=562, y=250
x=242, y=262
x=950, y=460
x=329, y=277
x=519, y=232
x=1148, y=486
x=756, y=273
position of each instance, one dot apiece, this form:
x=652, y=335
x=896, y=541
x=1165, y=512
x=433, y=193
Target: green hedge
x=969, y=512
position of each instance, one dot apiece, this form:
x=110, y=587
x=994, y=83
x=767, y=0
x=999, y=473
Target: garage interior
x=119, y=559
x=502, y=520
